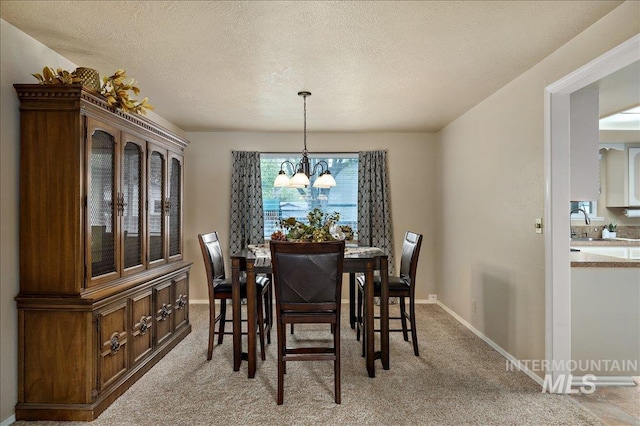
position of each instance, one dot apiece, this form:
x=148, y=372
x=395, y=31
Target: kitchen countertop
x=620, y=242
x=591, y=260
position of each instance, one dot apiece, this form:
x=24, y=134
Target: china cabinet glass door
x=157, y=205
x=100, y=202
x=175, y=206
x=131, y=199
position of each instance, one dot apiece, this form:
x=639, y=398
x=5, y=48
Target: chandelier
x=303, y=169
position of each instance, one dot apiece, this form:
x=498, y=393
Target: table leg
x=237, y=326
x=384, y=312
x=251, y=319
x=368, y=319
x=352, y=299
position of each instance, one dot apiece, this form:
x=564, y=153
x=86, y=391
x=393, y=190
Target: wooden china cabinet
x=104, y=289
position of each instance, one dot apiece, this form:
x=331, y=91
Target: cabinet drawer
x=621, y=252
x=141, y=325
x=163, y=311
x=112, y=325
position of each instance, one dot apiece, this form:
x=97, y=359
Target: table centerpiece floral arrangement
x=320, y=228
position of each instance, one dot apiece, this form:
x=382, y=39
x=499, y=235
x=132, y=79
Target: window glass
x=282, y=203
x=588, y=206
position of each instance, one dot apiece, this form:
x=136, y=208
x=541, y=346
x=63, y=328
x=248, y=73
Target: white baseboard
x=605, y=381
x=9, y=421
x=199, y=301
x=493, y=344
x=576, y=381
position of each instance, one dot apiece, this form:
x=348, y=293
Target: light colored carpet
x=457, y=380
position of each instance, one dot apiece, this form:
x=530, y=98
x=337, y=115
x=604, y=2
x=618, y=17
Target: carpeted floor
x=457, y=380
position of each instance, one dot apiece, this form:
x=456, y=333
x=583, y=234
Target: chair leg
x=267, y=306
x=271, y=307
x=359, y=314
x=223, y=319
x=414, y=332
x=336, y=364
x=403, y=319
x=361, y=326
x=284, y=347
x=261, y=327
x=212, y=327
x=281, y=365
x=291, y=328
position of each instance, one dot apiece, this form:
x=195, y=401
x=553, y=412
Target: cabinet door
x=156, y=194
x=181, y=299
x=131, y=204
x=621, y=252
x=112, y=326
x=163, y=311
x=634, y=176
x=141, y=325
x=175, y=206
x=616, y=178
x=584, y=139
x=102, y=252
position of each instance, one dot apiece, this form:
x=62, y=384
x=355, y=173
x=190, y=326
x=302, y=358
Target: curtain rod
x=310, y=152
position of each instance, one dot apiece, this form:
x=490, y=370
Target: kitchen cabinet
x=634, y=176
x=104, y=289
x=584, y=140
x=616, y=251
x=605, y=324
x=623, y=176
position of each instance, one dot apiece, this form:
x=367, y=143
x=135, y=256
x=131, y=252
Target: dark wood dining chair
x=402, y=286
x=220, y=289
x=307, y=278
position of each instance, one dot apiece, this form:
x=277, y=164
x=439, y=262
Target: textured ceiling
x=371, y=66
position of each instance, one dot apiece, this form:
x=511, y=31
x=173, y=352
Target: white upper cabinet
x=622, y=176
x=634, y=176
x=584, y=134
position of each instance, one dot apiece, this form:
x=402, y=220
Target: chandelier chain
x=304, y=97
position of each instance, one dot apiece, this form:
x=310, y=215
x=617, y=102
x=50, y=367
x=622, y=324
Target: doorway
x=557, y=185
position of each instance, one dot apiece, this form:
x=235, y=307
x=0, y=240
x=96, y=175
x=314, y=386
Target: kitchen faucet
x=586, y=219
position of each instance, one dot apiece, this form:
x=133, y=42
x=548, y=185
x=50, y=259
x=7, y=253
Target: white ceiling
x=370, y=65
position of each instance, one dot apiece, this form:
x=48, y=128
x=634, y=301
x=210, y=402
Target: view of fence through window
x=282, y=203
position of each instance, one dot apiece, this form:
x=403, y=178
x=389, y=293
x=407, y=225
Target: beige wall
x=412, y=168
x=494, y=156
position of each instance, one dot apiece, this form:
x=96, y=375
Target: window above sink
x=591, y=207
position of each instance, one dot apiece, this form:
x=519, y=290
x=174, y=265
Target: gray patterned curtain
x=374, y=208
x=246, y=219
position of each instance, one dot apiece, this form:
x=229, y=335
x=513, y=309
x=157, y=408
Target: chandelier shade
x=302, y=171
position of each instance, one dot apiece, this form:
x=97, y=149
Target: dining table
x=254, y=260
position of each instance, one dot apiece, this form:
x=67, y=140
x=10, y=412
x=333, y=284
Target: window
x=281, y=203
x=590, y=207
